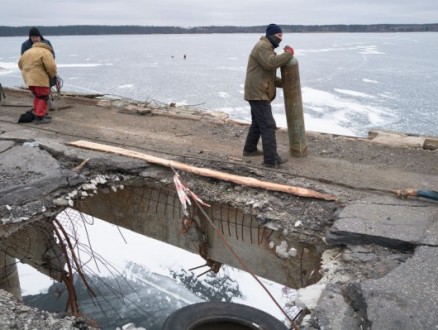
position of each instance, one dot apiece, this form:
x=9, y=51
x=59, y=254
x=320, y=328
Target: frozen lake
x=351, y=83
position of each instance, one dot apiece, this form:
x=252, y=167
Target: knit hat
x=273, y=29
x=34, y=32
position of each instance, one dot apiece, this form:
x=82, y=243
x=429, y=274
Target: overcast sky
x=189, y=13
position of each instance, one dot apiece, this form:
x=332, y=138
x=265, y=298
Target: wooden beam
x=245, y=181
x=17, y=104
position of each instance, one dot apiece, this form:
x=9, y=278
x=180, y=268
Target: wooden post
x=293, y=104
x=2, y=93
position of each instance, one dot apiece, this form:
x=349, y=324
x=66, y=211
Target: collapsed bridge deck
x=361, y=173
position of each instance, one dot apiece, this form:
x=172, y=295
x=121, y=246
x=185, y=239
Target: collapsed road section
x=358, y=255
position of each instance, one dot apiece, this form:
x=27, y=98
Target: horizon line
x=197, y=26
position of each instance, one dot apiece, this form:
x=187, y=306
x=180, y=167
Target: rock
x=333, y=312
x=61, y=201
x=25, y=317
x=358, y=253
x=307, y=298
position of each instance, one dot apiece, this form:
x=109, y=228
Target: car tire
x=221, y=315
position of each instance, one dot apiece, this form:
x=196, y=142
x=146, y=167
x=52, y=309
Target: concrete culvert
x=221, y=315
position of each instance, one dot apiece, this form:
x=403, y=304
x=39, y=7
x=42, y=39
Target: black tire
x=220, y=315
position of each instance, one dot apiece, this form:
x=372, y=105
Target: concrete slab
x=397, y=139
x=333, y=312
x=5, y=145
x=387, y=221
x=27, y=173
x=406, y=297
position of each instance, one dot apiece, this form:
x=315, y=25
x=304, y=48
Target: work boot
x=256, y=152
x=276, y=163
x=48, y=116
x=41, y=120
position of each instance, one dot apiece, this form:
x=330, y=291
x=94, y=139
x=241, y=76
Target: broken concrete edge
x=15, y=314
x=353, y=238
x=86, y=186
x=339, y=300
x=336, y=301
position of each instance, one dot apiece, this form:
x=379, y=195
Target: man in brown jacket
x=260, y=89
x=38, y=66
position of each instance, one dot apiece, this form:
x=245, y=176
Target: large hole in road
x=220, y=233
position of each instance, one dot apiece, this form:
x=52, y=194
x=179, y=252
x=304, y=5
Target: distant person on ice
x=38, y=66
x=260, y=84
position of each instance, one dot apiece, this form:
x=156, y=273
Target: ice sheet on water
x=83, y=65
x=340, y=111
x=8, y=67
x=370, y=81
x=370, y=50
x=126, y=86
x=223, y=94
x=353, y=93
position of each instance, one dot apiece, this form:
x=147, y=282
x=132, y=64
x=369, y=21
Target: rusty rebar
x=233, y=252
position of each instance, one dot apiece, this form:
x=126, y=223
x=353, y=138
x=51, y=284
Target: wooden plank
x=17, y=104
x=246, y=181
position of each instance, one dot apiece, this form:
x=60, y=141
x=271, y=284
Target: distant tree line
x=10, y=31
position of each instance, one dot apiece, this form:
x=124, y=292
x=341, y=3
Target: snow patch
x=308, y=297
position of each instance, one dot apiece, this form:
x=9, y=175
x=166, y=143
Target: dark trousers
x=262, y=125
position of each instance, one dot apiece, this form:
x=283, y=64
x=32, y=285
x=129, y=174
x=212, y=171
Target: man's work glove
x=289, y=49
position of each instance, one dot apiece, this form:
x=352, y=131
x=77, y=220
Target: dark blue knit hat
x=273, y=29
x=34, y=32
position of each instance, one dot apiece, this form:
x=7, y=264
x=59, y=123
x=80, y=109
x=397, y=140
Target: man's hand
x=289, y=49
